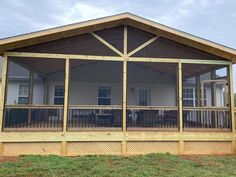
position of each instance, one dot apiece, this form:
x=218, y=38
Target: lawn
x=144, y=166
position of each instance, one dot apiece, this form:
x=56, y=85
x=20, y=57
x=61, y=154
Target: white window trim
x=19, y=91
x=54, y=96
x=194, y=96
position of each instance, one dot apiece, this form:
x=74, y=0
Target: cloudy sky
x=211, y=19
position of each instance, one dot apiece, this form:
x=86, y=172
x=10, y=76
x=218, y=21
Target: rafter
x=143, y=45
x=106, y=43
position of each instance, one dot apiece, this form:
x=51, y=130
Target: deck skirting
x=116, y=143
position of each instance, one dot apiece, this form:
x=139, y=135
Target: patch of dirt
x=8, y=159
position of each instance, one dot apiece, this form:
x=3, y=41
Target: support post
x=231, y=94
x=124, y=102
x=3, y=91
x=213, y=92
x=180, y=101
x=213, y=98
x=31, y=81
x=180, y=104
x=66, y=95
x=198, y=94
x=63, y=148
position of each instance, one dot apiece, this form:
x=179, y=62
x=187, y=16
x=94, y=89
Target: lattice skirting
x=207, y=147
x=14, y=149
x=115, y=148
x=143, y=147
x=94, y=148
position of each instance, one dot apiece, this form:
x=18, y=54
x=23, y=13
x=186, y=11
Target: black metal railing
x=85, y=117
x=207, y=118
x=33, y=117
x=152, y=117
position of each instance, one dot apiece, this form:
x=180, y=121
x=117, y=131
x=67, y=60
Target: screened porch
x=36, y=89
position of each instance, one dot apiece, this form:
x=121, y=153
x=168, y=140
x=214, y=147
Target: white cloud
x=80, y=12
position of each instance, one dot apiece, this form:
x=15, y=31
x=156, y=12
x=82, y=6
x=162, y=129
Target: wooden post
x=66, y=96
x=124, y=102
x=231, y=94
x=4, y=90
x=213, y=98
x=198, y=93
x=3, y=96
x=31, y=81
x=180, y=104
x=213, y=91
x=198, y=96
x=180, y=101
x=64, y=148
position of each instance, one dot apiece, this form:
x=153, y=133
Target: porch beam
x=115, y=58
x=106, y=43
x=66, y=96
x=63, y=56
x=143, y=45
x=176, y=60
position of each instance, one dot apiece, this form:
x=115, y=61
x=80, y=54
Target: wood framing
x=31, y=82
x=3, y=90
x=142, y=46
x=115, y=58
x=112, y=21
x=120, y=138
x=124, y=102
x=231, y=93
x=66, y=97
x=106, y=44
x=180, y=97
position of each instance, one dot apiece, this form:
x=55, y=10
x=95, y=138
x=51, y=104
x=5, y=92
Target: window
x=104, y=96
x=23, y=97
x=189, y=97
x=59, y=95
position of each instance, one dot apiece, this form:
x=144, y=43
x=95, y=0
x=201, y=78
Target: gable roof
x=112, y=21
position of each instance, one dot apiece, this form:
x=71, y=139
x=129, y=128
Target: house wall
x=13, y=92
x=161, y=95
x=86, y=93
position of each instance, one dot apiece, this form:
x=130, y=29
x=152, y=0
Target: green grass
x=144, y=166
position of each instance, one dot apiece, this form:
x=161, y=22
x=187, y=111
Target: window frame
x=24, y=95
x=59, y=96
x=194, y=98
x=104, y=97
